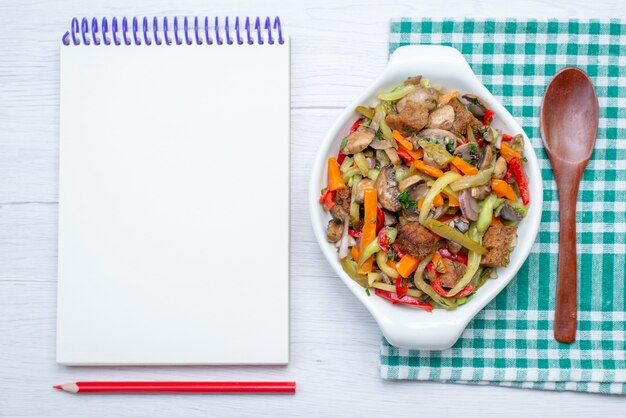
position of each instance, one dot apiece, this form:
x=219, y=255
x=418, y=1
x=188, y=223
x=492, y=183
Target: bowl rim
x=446, y=329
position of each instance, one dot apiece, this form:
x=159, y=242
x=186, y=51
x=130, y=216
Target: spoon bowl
x=569, y=126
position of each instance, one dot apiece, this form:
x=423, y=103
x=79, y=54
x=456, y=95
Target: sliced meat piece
x=463, y=117
x=360, y=189
x=427, y=97
x=454, y=271
x=339, y=212
x=498, y=240
x=416, y=240
x=358, y=140
x=442, y=118
x=335, y=230
x=413, y=80
x=387, y=188
x=413, y=117
x=342, y=198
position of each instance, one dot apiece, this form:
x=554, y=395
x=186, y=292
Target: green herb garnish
x=405, y=201
x=344, y=141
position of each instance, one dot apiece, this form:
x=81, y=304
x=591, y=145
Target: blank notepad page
x=174, y=204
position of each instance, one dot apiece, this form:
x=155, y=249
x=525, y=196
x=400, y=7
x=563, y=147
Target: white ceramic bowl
x=404, y=326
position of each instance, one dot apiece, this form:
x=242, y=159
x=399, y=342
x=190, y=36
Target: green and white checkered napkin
x=510, y=343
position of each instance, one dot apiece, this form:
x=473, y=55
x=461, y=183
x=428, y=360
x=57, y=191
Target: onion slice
x=343, y=245
x=469, y=205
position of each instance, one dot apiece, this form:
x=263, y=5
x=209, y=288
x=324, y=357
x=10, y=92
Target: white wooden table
x=337, y=49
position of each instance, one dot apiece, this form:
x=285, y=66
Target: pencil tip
x=57, y=387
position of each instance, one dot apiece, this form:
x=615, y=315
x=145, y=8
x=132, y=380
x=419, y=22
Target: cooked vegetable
x=437, y=187
x=508, y=153
x=423, y=185
x=361, y=163
x=335, y=182
x=465, y=167
x=473, y=262
x=381, y=261
x=427, y=169
x=520, y=178
x=475, y=180
x=406, y=265
x=400, y=139
x=502, y=189
x=369, y=228
x=405, y=300
x=452, y=234
x=437, y=152
x=397, y=92
x=486, y=214
x=365, y=111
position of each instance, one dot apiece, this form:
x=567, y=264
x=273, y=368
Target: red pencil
x=161, y=387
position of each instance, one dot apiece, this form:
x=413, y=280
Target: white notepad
x=174, y=197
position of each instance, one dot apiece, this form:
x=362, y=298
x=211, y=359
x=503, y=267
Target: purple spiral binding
x=85, y=32
x=144, y=25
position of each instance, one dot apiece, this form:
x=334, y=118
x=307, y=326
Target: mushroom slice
x=487, y=157
x=358, y=140
x=410, y=181
x=500, y=168
x=476, y=105
x=413, y=80
x=480, y=192
x=427, y=97
x=469, y=152
x=438, y=135
x=387, y=188
x=416, y=191
x=508, y=213
x=360, y=189
x=442, y=118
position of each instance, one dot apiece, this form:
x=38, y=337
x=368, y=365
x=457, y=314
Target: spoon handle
x=566, y=288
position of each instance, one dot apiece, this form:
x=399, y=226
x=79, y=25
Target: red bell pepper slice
x=397, y=249
x=506, y=137
x=405, y=300
x=466, y=291
x=488, y=116
x=340, y=157
x=402, y=286
x=380, y=219
x=404, y=154
x=508, y=175
x=459, y=257
x=327, y=198
x=355, y=126
x=383, y=240
x=520, y=178
x=353, y=233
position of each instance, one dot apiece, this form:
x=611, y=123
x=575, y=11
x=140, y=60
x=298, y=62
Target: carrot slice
x=335, y=182
x=427, y=169
x=452, y=201
x=508, y=153
x=502, y=189
x=465, y=167
x=355, y=253
x=407, y=265
x=445, y=98
x=402, y=141
x=370, y=201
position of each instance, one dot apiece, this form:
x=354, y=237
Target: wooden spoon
x=569, y=125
